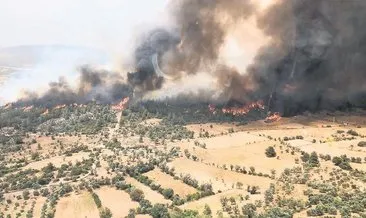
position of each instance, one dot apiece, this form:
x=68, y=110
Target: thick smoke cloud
x=156, y=42
x=315, y=59
x=94, y=85
x=194, y=42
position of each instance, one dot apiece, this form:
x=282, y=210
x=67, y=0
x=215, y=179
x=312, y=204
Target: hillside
x=92, y=161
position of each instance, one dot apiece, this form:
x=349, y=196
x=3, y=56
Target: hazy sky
x=109, y=25
x=106, y=24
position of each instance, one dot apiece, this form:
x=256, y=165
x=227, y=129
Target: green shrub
x=270, y=152
x=159, y=211
x=137, y=195
x=97, y=200
x=352, y=132
x=168, y=193
x=362, y=144
x=105, y=213
x=342, y=162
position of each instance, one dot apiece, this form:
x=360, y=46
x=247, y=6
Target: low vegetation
x=46, y=159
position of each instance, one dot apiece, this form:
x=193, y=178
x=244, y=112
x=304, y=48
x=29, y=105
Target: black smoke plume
x=94, y=85
x=156, y=42
x=192, y=44
x=315, y=60
x=317, y=56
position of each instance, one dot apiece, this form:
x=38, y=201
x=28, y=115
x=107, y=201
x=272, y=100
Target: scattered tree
x=270, y=152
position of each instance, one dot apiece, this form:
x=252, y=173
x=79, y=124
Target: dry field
x=211, y=159
x=219, y=178
x=245, y=155
x=151, y=122
x=57, y=161
x=308, y=133
x=303, y=214
x=166, y=181
x=118, y=202
x=237, y=139
x=333, y=148
x=214, y=201
x=143, y=216
x=150, y=195
x=13, y=209
x=212, y=128
x=38, y=206
x=77, y=205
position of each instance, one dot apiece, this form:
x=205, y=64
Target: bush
x=337, y=161
x=299, y=137
x=64, y=189
x=342, y=162
x=35, y=156
x=185, y=214
x=345, y=166
x=314, y=160
x=168, y=193
x=159, y=211
x=270, y=152
x=105, y=213
x=97, y=200
x=305, y=157
x=137, y=195
x=315, y=212
x=35, y=193
x=249, y=210
x=121, y=185
x=352, y=132
x=207, y=211
x=25, y=195
x=362, y=144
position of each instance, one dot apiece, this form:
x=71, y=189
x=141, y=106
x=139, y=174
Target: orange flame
x=60, y=106
x=45, y=112
x=25, y=109
x=122, y=105
x=242, y=111
x=273, y=117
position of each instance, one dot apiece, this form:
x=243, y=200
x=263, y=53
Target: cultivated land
x=167, y=181
x=117, y=201
x=76, y=205
x=137, y=163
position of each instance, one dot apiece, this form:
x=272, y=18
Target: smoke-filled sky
x=296, y=55
x=111, y=27
x=90, y=32
x=102, y=24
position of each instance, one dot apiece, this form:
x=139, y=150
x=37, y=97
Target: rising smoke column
x=192, y=44
x=316, y=58
x=156, y=42
x=94, y=85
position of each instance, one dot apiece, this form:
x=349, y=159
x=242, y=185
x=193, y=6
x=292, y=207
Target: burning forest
x=229, y=108
x=313, y=60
